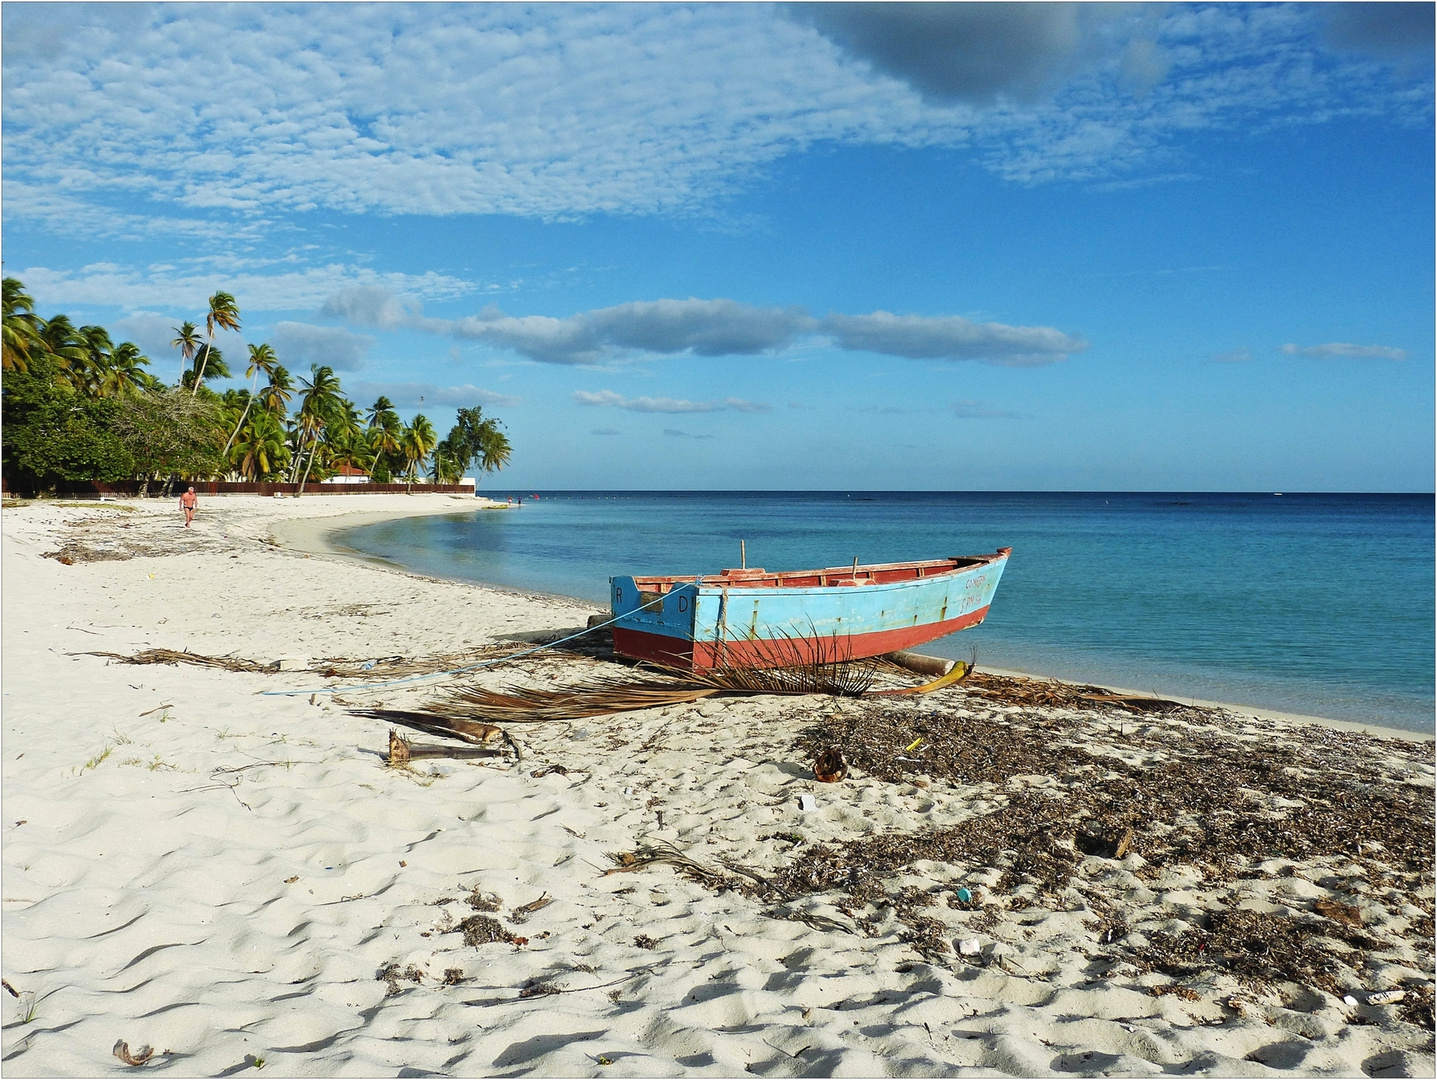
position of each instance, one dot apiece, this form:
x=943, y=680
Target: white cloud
x=609, y=399
x=298, y=343
x=1342, y=350
x=256, y=287
x=714, y=328
x=660, y=327
x=132, y=120
x=413, y=395
x=952, y=337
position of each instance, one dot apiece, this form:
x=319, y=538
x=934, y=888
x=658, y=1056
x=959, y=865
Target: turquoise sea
x=1318, y=604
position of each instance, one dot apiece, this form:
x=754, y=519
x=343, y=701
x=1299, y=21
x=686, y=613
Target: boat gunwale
x=769, y=580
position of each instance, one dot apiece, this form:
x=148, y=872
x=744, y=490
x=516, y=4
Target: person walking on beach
x=188, y=501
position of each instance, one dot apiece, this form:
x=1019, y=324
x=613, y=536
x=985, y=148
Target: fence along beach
x=1014, y=876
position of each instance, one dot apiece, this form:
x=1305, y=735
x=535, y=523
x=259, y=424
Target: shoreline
x=317, y=539
x=219, y=861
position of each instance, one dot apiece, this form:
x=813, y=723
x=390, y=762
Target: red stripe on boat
x=689, y=655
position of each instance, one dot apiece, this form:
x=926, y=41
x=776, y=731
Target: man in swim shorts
x=188, y=501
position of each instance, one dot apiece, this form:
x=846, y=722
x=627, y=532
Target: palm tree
x=493, y=450
x=415, y=444
x=60, y=341
x=320, y=405
x=385, y=431
x=123, y=374
x=260, y=451
x=95, y=349
x=261, y=359
x=381, y=410
x=446, y=467
x=224, y=313
x=188, y=342
x=22, y=326
x=217, y=367
x=276, y=395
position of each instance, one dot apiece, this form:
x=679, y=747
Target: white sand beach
x=237, y=879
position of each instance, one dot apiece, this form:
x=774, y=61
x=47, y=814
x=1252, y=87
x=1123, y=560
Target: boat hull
x=755, y=619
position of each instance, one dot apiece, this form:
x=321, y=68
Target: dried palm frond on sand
x=521, y=705
x=174, y=656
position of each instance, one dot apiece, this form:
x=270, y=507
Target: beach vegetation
x=416, y=443
x=98, y=758
x=475, y=439
x=223, y=313
x=54, y=433
x=80, y=407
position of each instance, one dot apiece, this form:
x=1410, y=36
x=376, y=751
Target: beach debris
x=329, y=667
x=138, y=1057
x=661, y=851
x=830, y=767
x=176, y=656
x=468, y=731
x=402, y=750
x=1349, y=1000
x=1106, y=846
x=920, y=664
x=482, y=901
x=339, y=667
x=1337, y=911
x=964, y=895
x=545, y=770
x=1386, y=997
x=521, y=914
x=643, y=941
x=597, y=697
x=786, y=673
x=970, y=947
x=9, y=989
x=1136, y=702
x=956, y=674
x=486, y=930
x=390, y=974
x=807, y=803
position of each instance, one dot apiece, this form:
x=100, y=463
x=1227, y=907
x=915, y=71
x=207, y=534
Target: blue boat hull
x=751, y=618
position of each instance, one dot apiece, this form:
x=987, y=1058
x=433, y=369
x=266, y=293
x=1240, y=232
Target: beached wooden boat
x=756, y=618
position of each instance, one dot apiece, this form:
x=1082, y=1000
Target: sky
x=747, y=246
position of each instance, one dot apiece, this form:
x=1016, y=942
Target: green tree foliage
x=474, y=439
x=415, y=444
x=22, y=325
x=77, y=406
x=383, y=434
x=53, y=433
x=170, y=434
x=224, y=313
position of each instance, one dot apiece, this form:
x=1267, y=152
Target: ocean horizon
x=1311, y=603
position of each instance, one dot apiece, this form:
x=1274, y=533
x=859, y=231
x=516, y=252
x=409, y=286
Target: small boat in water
x=757, y=618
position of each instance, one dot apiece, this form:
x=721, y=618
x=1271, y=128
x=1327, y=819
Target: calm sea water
x=1319, y=604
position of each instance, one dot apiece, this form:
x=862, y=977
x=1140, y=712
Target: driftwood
x=402, y=751
x=479, y=735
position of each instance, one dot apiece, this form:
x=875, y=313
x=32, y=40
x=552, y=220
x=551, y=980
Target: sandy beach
x=223, y=867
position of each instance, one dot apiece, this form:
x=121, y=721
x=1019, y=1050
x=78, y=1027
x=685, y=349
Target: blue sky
x=749, y=246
